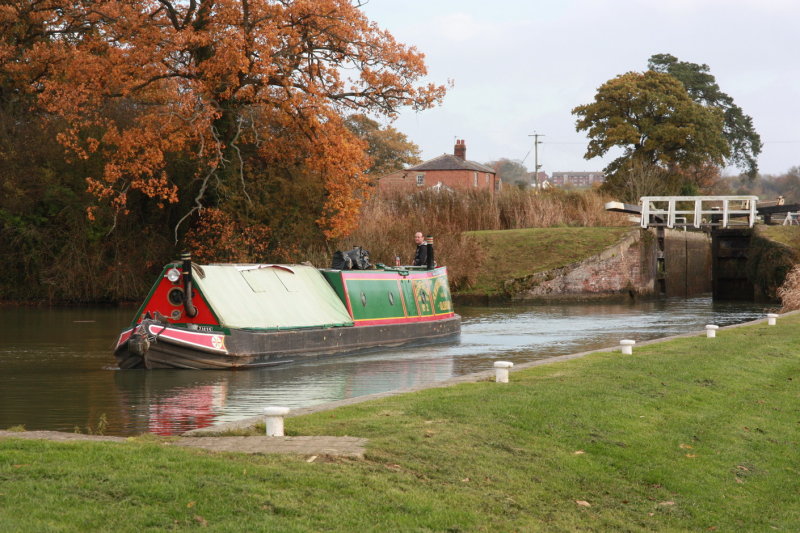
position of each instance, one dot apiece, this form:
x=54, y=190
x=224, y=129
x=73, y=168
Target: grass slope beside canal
x=517, y=253
x=688, y=435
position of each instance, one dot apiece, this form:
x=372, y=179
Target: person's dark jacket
x=421, y=257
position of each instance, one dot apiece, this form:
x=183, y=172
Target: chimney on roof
x=460, y=150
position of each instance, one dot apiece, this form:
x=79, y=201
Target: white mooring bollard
x=626, y=346
x=711, y=331
x=274, y=415
x=501, y=371
x=772, y=319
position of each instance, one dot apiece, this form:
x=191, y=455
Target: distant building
x=576, y=179
x=538, y=179
x=444, y=172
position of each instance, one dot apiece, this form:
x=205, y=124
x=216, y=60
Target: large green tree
x=388, y=148
x=653, y=120
x=744, y=141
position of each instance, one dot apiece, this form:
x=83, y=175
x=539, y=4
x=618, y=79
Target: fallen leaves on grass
x=578, y=452
x=685, y=446
x=583, y=503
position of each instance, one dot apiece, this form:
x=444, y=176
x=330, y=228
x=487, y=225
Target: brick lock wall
x=627, y=268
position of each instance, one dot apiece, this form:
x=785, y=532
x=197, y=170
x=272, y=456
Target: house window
x=420, y=180
x=487, y=179
x=474, y=179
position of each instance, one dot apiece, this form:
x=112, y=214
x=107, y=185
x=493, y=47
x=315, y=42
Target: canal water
x=58, y=371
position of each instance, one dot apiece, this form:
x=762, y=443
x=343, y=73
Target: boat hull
x=153, y=344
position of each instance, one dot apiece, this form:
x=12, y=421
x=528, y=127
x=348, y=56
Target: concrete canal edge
x=486, y=375
x=313, y=445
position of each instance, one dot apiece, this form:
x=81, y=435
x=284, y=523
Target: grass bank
x=787, y=235
x=517, y=253
x=688, y=435
x=389, y=221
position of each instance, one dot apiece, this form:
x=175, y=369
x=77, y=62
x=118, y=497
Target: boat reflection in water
x=170, y=402
x=186, y=409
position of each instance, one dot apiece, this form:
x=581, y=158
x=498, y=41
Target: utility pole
x=536, y=165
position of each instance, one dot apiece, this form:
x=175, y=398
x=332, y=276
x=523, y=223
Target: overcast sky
x=520, y=66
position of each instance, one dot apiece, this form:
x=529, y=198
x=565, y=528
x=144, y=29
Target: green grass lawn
x=693, y=434
x=787, y=235
x=511, y=254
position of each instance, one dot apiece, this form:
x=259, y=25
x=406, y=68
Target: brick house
x=446, y=171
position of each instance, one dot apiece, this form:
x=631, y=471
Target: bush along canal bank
x=693, y=433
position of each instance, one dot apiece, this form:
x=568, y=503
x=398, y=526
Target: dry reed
x=389, y=222
x=789, y=292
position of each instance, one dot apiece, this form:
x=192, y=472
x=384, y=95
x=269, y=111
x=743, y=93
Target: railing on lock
x=699, y=211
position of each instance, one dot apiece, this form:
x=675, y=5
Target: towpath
x=310, y=445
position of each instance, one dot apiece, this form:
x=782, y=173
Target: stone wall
x=627, y=269
x=768, y=263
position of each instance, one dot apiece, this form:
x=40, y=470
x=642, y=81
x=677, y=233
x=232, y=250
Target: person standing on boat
x=421, y=257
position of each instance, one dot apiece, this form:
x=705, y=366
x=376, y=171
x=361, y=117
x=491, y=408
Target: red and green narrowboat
x=223, y=316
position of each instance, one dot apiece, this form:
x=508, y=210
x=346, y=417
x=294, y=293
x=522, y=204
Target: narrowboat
x=228, y=316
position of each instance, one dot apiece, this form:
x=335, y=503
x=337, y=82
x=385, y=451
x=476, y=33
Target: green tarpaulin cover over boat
x=270, y=296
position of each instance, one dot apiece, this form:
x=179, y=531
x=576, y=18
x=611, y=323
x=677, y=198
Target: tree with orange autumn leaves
x=205, y=101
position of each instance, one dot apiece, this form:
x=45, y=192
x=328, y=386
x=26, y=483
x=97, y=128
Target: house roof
x=451, y=162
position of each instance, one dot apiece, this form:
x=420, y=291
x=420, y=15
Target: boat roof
x=270, y=296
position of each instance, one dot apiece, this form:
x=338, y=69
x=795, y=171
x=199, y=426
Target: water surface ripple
x=58, y=371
